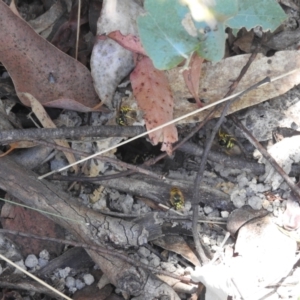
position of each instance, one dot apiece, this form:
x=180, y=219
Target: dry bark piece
x=88, y=227
x=93, y=293
x=38, y=68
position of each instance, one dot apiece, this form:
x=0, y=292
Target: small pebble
x=276, y=203
x=79, y=284
x=88, y=279
x=31, y=261
x=21, y=264
x=243, y=181
x=44, y=254
x=206, y=240
x=224, y=214
x=154, y=262
x=63, y=273
x=72, y=290
x=266, y=204
x=70, y=282
x=144, y=261
x=144, y=252
x=168, y=267
x=43, y=262
x=207, y=209
x=255, y=202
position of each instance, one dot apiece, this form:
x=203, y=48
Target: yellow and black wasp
x=123, y=115
x=226, y=140
x=176, y=198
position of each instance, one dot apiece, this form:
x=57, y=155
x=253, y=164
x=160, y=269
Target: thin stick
x=35, y=278
x=78, y=29
x=112, y=160
x=199, y=177
x=142, y=134
x=162, y=126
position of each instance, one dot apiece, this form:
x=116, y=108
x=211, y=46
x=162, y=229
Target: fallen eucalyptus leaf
x=38, y=68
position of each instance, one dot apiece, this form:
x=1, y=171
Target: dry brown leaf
x=130, y=42
x=13, y=8
x=192, y=76
x=16, y=145
x=45, y=120
x=152, y=92
x=26, y=220
x=216, y=79
x=38, y=68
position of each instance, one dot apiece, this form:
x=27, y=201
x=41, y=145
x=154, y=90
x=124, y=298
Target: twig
x=100, y=249
x=150, y=131
x=199, y=177
x=13, y=135
x=103, y=158
x=90, y=179
x=78, y=29
x=267, y=156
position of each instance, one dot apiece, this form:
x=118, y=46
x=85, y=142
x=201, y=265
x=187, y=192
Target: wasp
x=226, y=140
x=122, y=118
x=176, y=198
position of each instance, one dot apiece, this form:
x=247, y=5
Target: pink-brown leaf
x=38, y=68
x=154, y=97
x=130, y=41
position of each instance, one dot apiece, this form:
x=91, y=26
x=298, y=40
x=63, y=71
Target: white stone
x=143, y=252
x=207, y=209
x=63, y=273
x=70, y=282
x=43, y=262
x=88, y=279
x=266, y=204
x=255, y=202
x=31, y=261
x=154, y=262
x=79, y=284
x=224, y=214
x=44, y=254
x=21, y=264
